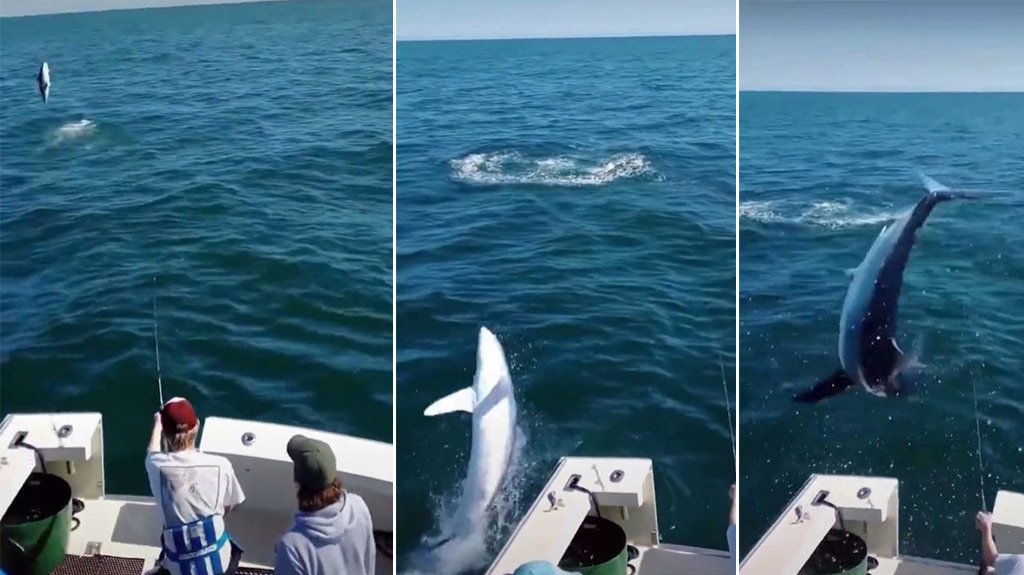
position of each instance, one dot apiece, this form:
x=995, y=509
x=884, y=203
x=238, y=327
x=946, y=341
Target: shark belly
x=859, y=305
x=493, y=437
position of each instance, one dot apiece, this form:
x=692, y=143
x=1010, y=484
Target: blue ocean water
x=576, y=197
x=239, y=154
x=820, y=175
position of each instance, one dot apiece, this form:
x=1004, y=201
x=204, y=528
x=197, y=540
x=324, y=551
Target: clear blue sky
x=464, y=19
x=31, y=7
x=908, y=45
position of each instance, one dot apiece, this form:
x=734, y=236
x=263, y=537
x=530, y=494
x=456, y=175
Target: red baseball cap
x=177, y=416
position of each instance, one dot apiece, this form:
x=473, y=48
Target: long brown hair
x=317, y=499
x=183, y=440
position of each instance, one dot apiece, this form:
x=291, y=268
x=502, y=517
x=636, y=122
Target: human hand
x=733, y=514
x=156, y=419
x=983, y=522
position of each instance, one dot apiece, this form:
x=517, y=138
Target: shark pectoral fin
x=831, y=385
x=896, y=348
x=461, y=400
x=906, y=361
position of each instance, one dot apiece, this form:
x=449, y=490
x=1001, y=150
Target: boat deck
x=623, y=489
x=126, y=527
x=681, y=560
x=867, y=507
x=120, y=535
x=919, y=566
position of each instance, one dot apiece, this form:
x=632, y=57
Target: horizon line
x=577, y=37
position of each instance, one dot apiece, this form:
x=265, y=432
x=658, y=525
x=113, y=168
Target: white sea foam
x=511, y=167
x=827, y=214
x=74, y=130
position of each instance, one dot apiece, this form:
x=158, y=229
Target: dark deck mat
x=109, y=565
x=99, y=565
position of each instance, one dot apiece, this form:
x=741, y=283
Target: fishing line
x=728, y=409
x=977, y=428
x=156, y=345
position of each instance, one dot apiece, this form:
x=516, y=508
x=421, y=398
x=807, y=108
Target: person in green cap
x=332, y=533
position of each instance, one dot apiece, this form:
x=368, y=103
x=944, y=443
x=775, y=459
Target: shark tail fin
x=461, y=400
x=832, y=385
x=942, y=192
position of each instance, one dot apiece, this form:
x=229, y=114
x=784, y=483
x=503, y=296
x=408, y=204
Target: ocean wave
x=514, y=168
x=829, y=214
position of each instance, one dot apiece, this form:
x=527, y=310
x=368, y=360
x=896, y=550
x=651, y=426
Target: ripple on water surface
x=258, y=199
x=577, y=197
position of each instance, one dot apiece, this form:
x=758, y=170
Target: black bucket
x=839, y=553
x=598, y=548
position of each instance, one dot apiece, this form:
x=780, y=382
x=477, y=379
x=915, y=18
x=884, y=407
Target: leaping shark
x=43, y=79
x=868, y=352
x=492, y=402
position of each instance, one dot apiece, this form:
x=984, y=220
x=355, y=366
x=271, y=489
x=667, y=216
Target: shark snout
x=490, y=357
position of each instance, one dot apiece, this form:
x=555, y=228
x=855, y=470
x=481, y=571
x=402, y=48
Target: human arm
x=371, y=552
x=730, y=532
x=733, y=511
x=233, y=494
x=154, y=437
x=286, y=560
x=983, y=521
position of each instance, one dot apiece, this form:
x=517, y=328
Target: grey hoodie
x=337, y=540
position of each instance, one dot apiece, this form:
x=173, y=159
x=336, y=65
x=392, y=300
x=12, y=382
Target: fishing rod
x=156, y=345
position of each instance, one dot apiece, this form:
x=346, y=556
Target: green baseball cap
x=315, y=466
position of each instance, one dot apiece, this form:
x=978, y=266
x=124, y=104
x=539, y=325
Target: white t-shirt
x=1009, y=564
x=190, y=485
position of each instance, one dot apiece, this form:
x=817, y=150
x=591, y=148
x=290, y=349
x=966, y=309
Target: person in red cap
x=194, y=491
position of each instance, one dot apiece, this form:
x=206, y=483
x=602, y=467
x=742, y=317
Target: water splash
x=512, y=167
x=825, y=214
x=73, y=131
x=473, y=550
